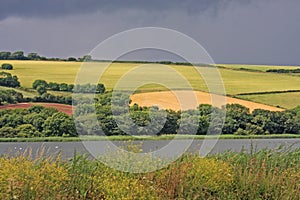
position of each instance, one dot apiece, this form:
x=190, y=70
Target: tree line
x=12, y=97
x=108, y=111
x=284, y=70
x=20, y=55
x=238, y=119
x=42, y=86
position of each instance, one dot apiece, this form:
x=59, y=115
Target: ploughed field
x=253, y=84
x=60, y=107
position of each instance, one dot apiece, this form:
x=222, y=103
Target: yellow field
x=235, y=81
x=29, y=71
x=169, y=100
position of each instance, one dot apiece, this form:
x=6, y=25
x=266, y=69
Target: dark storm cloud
x=56, y=8
x=232, y=31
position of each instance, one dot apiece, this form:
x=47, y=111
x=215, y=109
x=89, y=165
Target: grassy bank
x=162, y=137
x=267, y=174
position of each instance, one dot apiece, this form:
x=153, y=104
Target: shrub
x=7, y=132
x=241, y=132
x=8, y=80
x=27, y=131
x=41, y=89
x=7, y=66
x=37, y=83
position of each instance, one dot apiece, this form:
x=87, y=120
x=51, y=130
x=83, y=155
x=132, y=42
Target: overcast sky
x=232, y=31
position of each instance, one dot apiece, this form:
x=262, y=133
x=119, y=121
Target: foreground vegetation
x=267, y=174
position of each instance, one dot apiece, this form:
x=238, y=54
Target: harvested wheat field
x=190, y=100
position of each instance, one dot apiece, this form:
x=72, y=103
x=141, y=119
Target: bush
x=27, y=131
x=10, y=96
x=41, y=89
x=6, y=79
x=241, y=132
x=7, y=132
x=59, y=124
x=37, y=83
x=7, y=66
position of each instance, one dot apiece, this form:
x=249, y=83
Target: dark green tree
x=18, y=55
x=86, y=58
x=100, y=88
x=5, y=55
x=33, y=56
x=27, y=131
x=59, y=124
x=7, y=66
x=7, y=132
x=63, y=87
x=72, y=59
x=41, y=89
x=53, y=86
x=6, y=79
x=37, y=83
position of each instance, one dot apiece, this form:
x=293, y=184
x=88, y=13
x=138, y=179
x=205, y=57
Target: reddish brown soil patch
x=60, y=107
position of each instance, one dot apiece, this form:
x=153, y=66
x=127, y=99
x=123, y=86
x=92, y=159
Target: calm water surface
x=67, y=149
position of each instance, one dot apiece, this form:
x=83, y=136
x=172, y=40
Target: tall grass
x=266, y=174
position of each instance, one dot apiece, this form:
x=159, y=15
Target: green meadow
x=285, y=100
x=262, y=68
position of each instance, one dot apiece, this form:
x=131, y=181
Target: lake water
x=67, y=149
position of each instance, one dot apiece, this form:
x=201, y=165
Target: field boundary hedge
x=268, y=92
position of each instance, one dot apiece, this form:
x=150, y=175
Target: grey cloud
x=261, y=32
x=56, y=8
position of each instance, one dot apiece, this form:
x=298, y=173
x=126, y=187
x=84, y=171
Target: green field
x=262, y=68
x=285, y=100
x=235, y=81
x=25, y=93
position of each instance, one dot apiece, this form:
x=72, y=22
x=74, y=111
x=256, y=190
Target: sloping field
x=28, y=71
x=235, y=82
x=60, y=107
x=168, y=100
x=25, y=93
x=287, y=100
